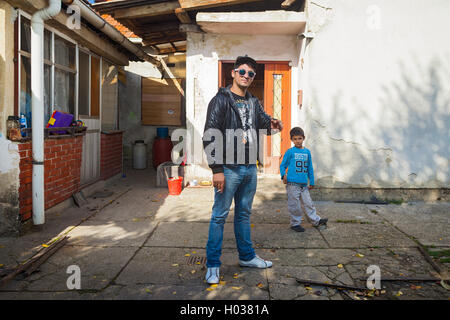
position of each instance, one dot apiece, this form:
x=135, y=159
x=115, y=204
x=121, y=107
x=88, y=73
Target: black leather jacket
x=223, y=114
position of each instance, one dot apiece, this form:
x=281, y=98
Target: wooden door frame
x=286, y=104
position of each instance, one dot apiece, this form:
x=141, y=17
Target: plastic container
x=175, y=185
x=23, y=125
x=12, y=123
x=139, y=155
x=12, y=127
x=59, y=119
x=162, y=150
x=162, y=132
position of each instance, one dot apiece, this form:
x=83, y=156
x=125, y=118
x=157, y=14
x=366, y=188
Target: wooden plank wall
x=162, y=102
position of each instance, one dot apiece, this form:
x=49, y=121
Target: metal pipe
x=99, y=23
x=37, y=105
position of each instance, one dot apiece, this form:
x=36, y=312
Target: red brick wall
x=111, y=154
x=62, y=170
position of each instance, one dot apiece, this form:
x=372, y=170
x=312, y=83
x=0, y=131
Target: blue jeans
x=240, y=184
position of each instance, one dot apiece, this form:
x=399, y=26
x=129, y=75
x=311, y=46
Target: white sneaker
x=212, y=275
x=256, y=262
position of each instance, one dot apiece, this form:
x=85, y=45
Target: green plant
x=439, y=254
x=395, y=201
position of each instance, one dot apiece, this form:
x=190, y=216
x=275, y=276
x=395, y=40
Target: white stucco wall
x=9, y=153
x=377, y=93
x=204, y=51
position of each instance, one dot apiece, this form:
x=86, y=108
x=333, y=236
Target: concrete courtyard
x=138, y=242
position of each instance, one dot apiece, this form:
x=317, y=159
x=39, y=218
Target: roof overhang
x=268, y=22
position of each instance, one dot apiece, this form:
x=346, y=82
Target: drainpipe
x=37, y=105
x=98, y=22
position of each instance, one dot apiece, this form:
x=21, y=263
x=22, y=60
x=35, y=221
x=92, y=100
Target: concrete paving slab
x=271, y=212
x=427, y=233
x=98, y=266
x=192, y=210
x=355, y=235
x=181, y=292
x=112, y=233
x=16, y=250
x=130, y=206
x=180, y=234
x=308, y=257
x=414, y=212
x=282, y=291
x=283, y=284
x=346, y=212
x=53, y=228
x=200, y=194
x=163, y=266
x=393, y=262
x=281, y=236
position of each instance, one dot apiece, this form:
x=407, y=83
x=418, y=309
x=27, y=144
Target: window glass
x=25, y=34
x=47, y=45
x=25, y=88
x=64, y=52
x=64, y=91
x=47, y=88
x=83, y=83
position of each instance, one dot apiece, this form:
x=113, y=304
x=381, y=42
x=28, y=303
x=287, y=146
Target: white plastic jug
x=139, y=155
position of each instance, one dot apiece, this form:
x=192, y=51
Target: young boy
x=297, y=160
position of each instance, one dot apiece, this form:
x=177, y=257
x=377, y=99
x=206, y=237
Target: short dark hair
x=245, y=60
x=297, y=131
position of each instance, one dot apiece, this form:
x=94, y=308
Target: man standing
x=235, y=110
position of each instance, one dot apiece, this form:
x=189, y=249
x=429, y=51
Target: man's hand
x=276, y=124
x=219, y=181
x=310, y=187
x=285, y=179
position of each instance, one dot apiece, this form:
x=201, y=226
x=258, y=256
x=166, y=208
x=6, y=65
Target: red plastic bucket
x=175, y=185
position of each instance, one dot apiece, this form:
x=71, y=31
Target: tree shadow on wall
x=418, y=106
x=409, y=145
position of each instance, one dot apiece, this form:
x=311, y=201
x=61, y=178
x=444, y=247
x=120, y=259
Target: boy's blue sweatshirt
x=299, y=165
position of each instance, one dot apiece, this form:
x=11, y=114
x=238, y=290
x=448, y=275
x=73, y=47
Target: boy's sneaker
x=322, y=222
x=298, y=228
x=212, y=275
x=256, y=262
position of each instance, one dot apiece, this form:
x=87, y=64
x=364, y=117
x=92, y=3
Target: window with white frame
x=59, y=72
x=73, y=78
x=76, y=81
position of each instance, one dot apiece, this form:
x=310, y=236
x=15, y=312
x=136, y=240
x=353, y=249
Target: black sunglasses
x=242, y=72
